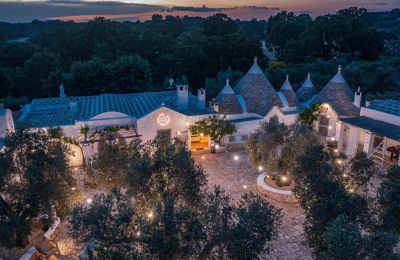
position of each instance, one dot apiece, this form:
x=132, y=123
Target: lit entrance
x=199, y=142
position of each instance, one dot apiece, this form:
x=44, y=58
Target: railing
x=378, y=154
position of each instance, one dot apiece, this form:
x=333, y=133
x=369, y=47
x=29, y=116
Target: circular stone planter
x=279, y=195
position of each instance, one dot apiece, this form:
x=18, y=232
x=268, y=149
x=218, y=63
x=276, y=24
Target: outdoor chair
x=45, y=246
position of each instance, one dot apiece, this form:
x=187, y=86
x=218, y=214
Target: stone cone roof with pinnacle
x=307, y=90
x=289, y=94
x=339, y=96
x=257, y=92
x=227, y=101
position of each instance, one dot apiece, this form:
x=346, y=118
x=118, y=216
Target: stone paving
x=233, y=172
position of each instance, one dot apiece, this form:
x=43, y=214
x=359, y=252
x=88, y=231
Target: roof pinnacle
x=62, y=91
x=255, y=59
x=339, y=68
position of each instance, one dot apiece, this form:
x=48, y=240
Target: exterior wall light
x=163, y=119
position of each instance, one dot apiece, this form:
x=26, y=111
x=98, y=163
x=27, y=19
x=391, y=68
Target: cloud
x=27, y=11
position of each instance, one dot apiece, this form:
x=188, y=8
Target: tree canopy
x=166, y=212
x=108, y=56
x=276, y=146
x=35, y=182
x=340, y=223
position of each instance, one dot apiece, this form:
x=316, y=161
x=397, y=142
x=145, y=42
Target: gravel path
x=233, y=172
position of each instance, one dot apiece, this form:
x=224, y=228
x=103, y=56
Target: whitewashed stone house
x=169, y=114
x=147, y=115
x=254, y=100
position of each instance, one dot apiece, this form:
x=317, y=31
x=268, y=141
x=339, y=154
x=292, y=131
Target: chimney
x=62, y=92
x=182, y=101
x=214, y=105
x=73, y=105
x=201, y=98
x=357, y=98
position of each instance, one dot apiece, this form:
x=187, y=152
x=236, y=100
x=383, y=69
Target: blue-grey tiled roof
x=49, y=112
x=390, y=106
x=375, y=126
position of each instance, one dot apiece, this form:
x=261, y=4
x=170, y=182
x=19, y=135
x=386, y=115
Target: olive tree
x=339, y=223
x=35, y=182
x=167, y=212
x=359, y=171
x=276, y=146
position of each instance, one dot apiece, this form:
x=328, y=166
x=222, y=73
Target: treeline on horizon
x=103, y=56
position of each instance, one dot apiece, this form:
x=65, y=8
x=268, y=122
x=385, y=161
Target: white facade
x=6, y=122
x=377, y=133
x=169, y=114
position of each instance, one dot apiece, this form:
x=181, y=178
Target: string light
x=73, y=188
x=332, y=138
x=260, y=168
x=284, y=178
x=203, y=157
x=245, y=186
x=89, y=201
x=339, y=161
x=336, y=150
x=216, y=146
x=236, y=157
x=179, y=132
x=150, y=215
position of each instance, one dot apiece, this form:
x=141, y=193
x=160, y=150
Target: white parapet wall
x=273, y=193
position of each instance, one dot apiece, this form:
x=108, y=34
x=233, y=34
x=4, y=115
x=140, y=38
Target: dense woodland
x=118, y=57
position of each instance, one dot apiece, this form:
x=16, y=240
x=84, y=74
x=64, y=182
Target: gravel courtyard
x=236, y=177
x=233, y=172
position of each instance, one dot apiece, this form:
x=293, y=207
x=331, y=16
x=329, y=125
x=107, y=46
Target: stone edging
x=273, y=193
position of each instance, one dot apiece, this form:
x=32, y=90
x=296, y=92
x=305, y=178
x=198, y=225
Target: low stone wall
x=272, y=193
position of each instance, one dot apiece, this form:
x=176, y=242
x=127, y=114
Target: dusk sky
x=81, y=10
x=290, y=4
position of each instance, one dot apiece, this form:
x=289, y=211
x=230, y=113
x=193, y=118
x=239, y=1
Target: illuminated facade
x=168, y=114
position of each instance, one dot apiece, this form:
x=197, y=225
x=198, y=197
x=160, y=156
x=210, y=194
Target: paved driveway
x=233, y=172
